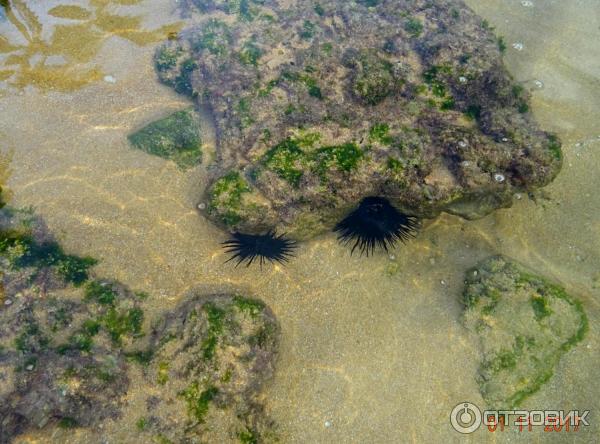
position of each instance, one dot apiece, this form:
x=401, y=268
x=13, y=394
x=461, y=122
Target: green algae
x=286, y=159
x=380, y=133
x=22, y=251
x=290, y=158
x=216, y=350
x=198, y=400
x=100, y=292
x=119, y=323
x=176, y=137
x=226, y=197
x=373, y=80
x=251, y=306
x=554, y=146
x=166, y=57
x=525, y=325
x=215, y=38
x=414, y=27
x=250, y=53
x=215, y=318
x=248, y=437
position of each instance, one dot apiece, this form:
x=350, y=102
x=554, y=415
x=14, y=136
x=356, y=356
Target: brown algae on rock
x=525, y=325
x=176, y=137
x=318, y=108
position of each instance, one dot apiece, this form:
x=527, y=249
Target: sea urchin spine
x=264, y=247
x=376, y=223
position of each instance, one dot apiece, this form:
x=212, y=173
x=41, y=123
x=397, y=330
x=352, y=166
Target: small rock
x=518, y=46
x=29, y=367
x=499, y=177
x=8, y=302
x=201, y=206
x=328, y=423
x=110, y=79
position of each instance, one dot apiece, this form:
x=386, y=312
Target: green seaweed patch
x=248, y=436
x=368, y=3
x=176, y=137
x=215, y=38
x=226, y=197
x=22, y=251
x=380, y=132
x=555, y=145
x=309, y=81
x=307, y=31
x=373, y=80
x=198, y=400
x=287, y=160
x=31, y=339
x=166, y=57
x=501, y=44
x=215, y=318
x=141, y=357
x=82, y=341
x=250, y=53
x=252, y=307
x=183, y=82
x=67, y=423
x=244, y=112
x=344, y=157
x=292, y=157
x=119, y=323
x=414, y=27
x=243, y=9
x=163, y=373
x=435, y=79
x=100, y=292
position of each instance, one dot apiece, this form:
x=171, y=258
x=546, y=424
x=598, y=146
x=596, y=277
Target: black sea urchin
x=266, y=247
x=375, y=223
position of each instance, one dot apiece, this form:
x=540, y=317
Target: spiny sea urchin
x=375, y=223
x=266, y=247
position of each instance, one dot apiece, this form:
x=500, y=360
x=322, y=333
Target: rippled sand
x=372, y=350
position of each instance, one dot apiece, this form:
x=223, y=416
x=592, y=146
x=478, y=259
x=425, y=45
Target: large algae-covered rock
x=63, y=336
x=525, y=324
x=68, y=341
x=211, y=357
x=320, y=104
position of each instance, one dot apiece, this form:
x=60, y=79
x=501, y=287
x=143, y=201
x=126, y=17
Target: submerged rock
x=319, y=105
x=68, y=341
x=211, y=357
x=525, y=325
x=176, y=137
x=64, y=337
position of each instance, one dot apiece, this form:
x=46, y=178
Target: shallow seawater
x=372, y=350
